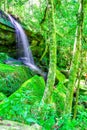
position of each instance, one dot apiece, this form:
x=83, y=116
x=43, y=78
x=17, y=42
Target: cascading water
x=24, y=52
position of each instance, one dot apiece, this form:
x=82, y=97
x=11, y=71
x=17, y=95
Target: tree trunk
x=4, y=6
x=52, y=65
x=77, y=89
x=75, y=59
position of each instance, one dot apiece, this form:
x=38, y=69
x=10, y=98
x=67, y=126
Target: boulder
x=12, y=125
x=21, y=104
x=12, y=76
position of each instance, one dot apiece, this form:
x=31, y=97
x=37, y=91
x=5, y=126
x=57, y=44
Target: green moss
x=6, y=24
x=2, y=97
x=60, y=76
x=3, y=57
x=7, y=37
x=18, y=106
x=59, y=98
x=11, y=77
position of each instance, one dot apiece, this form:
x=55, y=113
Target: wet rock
x=12, y=125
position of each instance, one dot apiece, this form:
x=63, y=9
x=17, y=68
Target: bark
x=77, y=90
x=52, y=65
x=5, y=5
x=75, y=59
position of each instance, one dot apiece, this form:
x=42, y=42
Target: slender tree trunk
x=0, y=5
x=4, y=6
x=52, y=65
x=77, y=88
x=8, y=6
x=76, y=58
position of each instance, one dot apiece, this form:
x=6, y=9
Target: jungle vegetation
x=57, y=31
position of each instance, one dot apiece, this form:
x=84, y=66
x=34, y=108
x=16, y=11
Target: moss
x=6, y=32
x=2, y=97
x=18, y=106
x=59, y=98
x=7, y=37
x=60, y=76
x=6, y=24
x=11, y=77
x=3, y=57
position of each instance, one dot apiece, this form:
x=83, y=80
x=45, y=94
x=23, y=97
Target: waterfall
x=24, y=52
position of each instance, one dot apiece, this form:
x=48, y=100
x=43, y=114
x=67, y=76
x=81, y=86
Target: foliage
x=64, y=123
x=59, y=98
x=60, y=76
x=2, y=96
x=19, y=105
x=46, y=117
x=3, y=57
x=36, y=17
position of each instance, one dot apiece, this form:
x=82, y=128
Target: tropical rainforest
x=49, y=93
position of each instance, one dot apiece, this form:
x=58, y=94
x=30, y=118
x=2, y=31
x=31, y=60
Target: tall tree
x=52, y=65
x=76, y=58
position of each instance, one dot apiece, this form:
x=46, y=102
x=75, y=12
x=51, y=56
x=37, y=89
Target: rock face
x=7, y=42
x=11, y=125
x=22, y=104
x=6, y=30
x=7, y=35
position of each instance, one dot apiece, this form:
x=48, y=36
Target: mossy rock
x=3, y=57
x=11, y=77
x=2, y=97
x=7, y=34
x=12, y=125
x=7, y=37
x=10, y=50
x=19, y=106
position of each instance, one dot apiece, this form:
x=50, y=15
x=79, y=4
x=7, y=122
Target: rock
x=7, y=34
x=7, y=37
x=12, y=61
x=11, y=77
x=3, y=57
x=20, y=105
x=12, y=125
